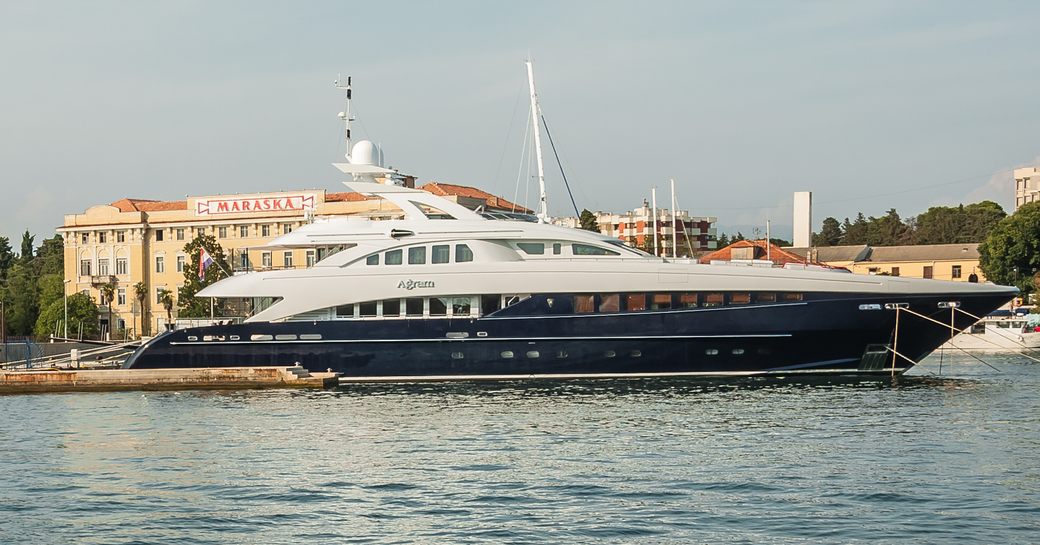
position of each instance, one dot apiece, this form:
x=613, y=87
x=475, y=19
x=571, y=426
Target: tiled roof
x=827, y=254
x=883, y=254
x=144, y=205
x=347, y=196
x=776, y=253
x=493, y=201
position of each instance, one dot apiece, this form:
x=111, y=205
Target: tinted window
x=392, y=307
x=557, y=248
x=413, y=306
x=345, y=311
x=438, y=306
x=463, y=253
x=372, y=260
x=440, y=254
x=393, y=257
x=417, y=255
x=460, y=306
x=533, y=248
x=367, y=308
x=586, y=249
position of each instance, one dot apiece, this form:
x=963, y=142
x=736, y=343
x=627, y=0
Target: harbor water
x=927, y=459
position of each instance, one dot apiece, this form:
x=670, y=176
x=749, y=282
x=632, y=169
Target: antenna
x=345, y=115
x=536, y=114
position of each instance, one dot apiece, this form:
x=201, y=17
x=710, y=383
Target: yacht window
x=393, y=257
x=345, y=311
x=635, y=302
x=440, y=253
x=372, y=259
x=531, y=248
x=310, y=336
x=413, y=306
x=739, y=298
x=688, y=300
x=367, y=309
x=392, y=307
x=260, y=337
x=792, y=297
x=557, y=248
x=490, y=303
x=765, y=297
x=661, y=301
x=609, y=302
x=438, y=306
x=431, y=212
x=584, y=304
x=417, y=255
x=463, y=253
x=714, y=299
x=507, y=354
x=587, y=249
x=533, y=354
x=978, y=328
x=285, y=337
x=460, y=306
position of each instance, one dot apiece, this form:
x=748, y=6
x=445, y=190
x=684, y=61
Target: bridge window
x=463, y=253
x=417, y=255
x=532, y=248
x=440, y=253
x=393, y=257
x=587, y=249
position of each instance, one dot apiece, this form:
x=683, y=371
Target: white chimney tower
x=802, y=219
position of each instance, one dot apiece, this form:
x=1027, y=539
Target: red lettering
x=222, y=206
x=245, y=206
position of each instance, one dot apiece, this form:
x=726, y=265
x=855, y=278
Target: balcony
x=101, y=279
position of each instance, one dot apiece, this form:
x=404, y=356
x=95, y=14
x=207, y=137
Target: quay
x=217, y=378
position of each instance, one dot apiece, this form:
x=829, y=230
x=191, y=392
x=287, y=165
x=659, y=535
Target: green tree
x=855, y=232
x=82, y=311
x=50, y=257
x=1010, y=254
x=188, y=305
x=722, y=241
x=588, y=221
x=21, y=299
x=830, y=233
x=6, y=256
x=166, y=300
x=27, y=246
x=141, y=295
x=888, y=230
x=51, y=288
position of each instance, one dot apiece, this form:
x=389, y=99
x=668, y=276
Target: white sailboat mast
x=675, y=223
x=536, y=111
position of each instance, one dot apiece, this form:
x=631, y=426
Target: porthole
x=738, y=351
x=285, y=337
x=457, y=355
x=532, y=354
x=192, y=338
x=712, y=351
x=310, y=337
x=235, y=338
x=636, y=354
x=610, y=354
x=507, y=354
x=260, y=338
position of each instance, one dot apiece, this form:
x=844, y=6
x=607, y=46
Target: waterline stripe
x=486, y=339
x=551, y=376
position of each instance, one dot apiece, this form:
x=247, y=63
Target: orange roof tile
x=776, y=253
x=145, y=205
x=347, y=196
x=494, y=201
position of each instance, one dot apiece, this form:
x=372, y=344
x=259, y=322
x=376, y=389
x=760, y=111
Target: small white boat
x=1003, y=332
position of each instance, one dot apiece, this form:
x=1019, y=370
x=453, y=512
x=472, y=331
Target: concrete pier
x=216, y=378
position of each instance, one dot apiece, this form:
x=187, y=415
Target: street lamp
x=65, y=296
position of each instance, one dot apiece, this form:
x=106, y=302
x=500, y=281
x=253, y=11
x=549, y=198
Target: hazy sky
x=870, y=105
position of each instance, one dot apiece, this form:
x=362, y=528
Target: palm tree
x=108, y=294
x=166, y=300
x=141, y=293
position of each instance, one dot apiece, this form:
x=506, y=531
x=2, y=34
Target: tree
x=83, y=312
x=50, y=257
x=830, y=233
x=1010, y=254
x=723, y=241
x=141, y=294
x=166, y=300
x=108, y=295
x=588, y=221
x=27, y=246
x=6, y=256
x=855, y=232
x=21, y=299
x=188, y=305
x=780, y=242
x=888, y=230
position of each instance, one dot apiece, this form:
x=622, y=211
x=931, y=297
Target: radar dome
x=366, y=153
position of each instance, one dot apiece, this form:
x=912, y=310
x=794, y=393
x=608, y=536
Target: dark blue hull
x=824, y=334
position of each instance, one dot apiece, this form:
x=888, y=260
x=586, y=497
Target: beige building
x=1027, y=185
x=956, y=262
x=135, y=240
x=692, y=233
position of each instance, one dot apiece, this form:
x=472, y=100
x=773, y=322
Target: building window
x=85, y=238
x=287, y=260
x=286, y=228
x=927, y=271
x=243, y=260
x=179, y=234
x=158, y=235
x=84, y=267
x=160, y=266
x=222, y=231
x=121, y=296
x=895, y=271
x=956, y=272
x=266, y=260
x=158, y=294
x=101, y=237
x=200, y=231
x=310, y=258
x=120, y=265
x=120, y=236
x=180, y=263
x=243, y=231
x=102, y=267
x=265, y=230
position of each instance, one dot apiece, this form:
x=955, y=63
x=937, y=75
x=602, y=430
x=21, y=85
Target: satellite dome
x=366, y=153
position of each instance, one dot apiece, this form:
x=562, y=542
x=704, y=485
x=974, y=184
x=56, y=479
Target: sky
x=869, y=105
